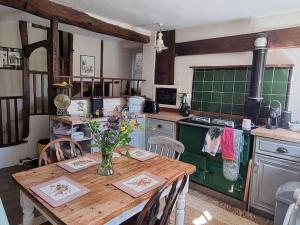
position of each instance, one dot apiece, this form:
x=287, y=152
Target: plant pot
x=106, y=166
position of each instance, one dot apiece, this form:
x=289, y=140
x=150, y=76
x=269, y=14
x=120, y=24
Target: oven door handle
x=194, y=124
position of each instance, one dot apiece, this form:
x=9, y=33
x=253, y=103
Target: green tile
x=227, y=98
x=218, y=86
x=247, y=87
x=238, y=99
x=228, y=86
x=281, y=75
x=249, y=74
x=279, y=88
x=264, y=112
x=239, y=87
x=214, y=107
x=241, y=75
x=216, y=97
x=199, y=76
x=280, y=98
x=237, y=109
x=197, y=96
x=267, y=87
x=226, y=108
x=268, y=74
x=209, y=75
x=205, y=106
x=196, y=106
x=207, y=86
x=198, y=86
x=218, y=75
x=207, y=96
x=229, y=75
x=266, y=100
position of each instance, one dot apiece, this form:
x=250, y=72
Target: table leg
x=27, y=208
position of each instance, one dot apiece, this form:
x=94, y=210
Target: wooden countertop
x=74, y=119
x=169, y=116
x=279, y=134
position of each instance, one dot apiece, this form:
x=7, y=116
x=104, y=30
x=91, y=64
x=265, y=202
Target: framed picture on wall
x=87, y=65
x=11, y=58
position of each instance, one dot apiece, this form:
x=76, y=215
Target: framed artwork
x=77, y=164
x=59, y=191
x=140, y=154
x=139, y=184
x=87, y=65
x=11, y=58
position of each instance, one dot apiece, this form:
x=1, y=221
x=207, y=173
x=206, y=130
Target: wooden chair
x=3, y=217
x=51, y=155
x=166, y=146
x=150, y=214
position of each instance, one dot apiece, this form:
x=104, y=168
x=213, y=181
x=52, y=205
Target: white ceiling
x=181, y=13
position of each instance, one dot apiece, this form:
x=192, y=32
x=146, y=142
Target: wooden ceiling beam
x=277, y=39
x=67, y=15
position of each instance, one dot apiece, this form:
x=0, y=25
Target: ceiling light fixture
x=159, y=46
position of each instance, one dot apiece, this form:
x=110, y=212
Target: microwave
x=167, y=95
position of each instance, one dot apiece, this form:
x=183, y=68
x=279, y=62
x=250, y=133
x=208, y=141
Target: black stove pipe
x=253, y=105
x=258, y=67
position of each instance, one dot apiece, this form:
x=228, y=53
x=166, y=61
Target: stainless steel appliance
x=274, y=120
x=184, y=108
x=214, y=121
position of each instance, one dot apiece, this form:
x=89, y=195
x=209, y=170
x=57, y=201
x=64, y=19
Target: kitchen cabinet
x=138, y=137
x=275, y=163
x=160, y=128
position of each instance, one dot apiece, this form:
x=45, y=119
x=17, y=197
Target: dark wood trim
x=28, y=49
x=13, y=143
x=242, y=66
x=8, y=121
x=64, y=14
x=277, y=39
x=16, y=119
x=165, y=61
x=26, y=82
x=71, y=43
x=34, y=94
x=53, y=62
x=101, y=58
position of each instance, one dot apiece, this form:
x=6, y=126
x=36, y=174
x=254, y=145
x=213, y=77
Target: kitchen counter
x=279, y=134
x=164, y=115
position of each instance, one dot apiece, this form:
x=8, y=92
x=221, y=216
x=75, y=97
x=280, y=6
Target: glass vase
x=106, y=166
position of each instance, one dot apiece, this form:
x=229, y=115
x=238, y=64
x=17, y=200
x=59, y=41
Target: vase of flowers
x=115, y=132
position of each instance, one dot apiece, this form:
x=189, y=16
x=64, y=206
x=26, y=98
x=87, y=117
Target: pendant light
x=159, y=46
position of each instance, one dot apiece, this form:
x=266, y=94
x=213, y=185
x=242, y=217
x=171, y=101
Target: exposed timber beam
x=26, y=83
x=64, y=14
x=277, y=39
x=28, y=49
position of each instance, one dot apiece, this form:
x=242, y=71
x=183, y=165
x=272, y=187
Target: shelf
x=83, y=139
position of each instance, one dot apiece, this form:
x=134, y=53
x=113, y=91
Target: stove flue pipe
x=258, y=67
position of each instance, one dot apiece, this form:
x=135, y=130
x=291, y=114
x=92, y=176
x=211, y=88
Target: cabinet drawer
x=280, y=149
x=161, y=126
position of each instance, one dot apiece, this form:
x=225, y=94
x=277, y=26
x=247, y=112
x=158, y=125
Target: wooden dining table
x=104, y=204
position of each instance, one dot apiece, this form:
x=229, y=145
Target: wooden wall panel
x=164, y=65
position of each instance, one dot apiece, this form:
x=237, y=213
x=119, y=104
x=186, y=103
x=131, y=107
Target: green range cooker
x=209, y=172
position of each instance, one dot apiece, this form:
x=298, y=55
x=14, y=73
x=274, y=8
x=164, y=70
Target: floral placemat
x=140, y=154
x=59, y=191
x=79, y=163
x=139, y=184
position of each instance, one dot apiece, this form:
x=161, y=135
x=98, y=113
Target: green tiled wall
x=226, y=90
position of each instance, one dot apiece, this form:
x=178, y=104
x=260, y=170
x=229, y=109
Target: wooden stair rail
x=10, y=107
x=102, y=80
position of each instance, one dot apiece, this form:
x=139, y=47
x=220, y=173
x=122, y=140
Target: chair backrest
x=150, y=212
x=3, y=217
x=165, y=146
x=53, y=152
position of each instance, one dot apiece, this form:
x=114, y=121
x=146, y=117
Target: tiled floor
x=200, y=209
